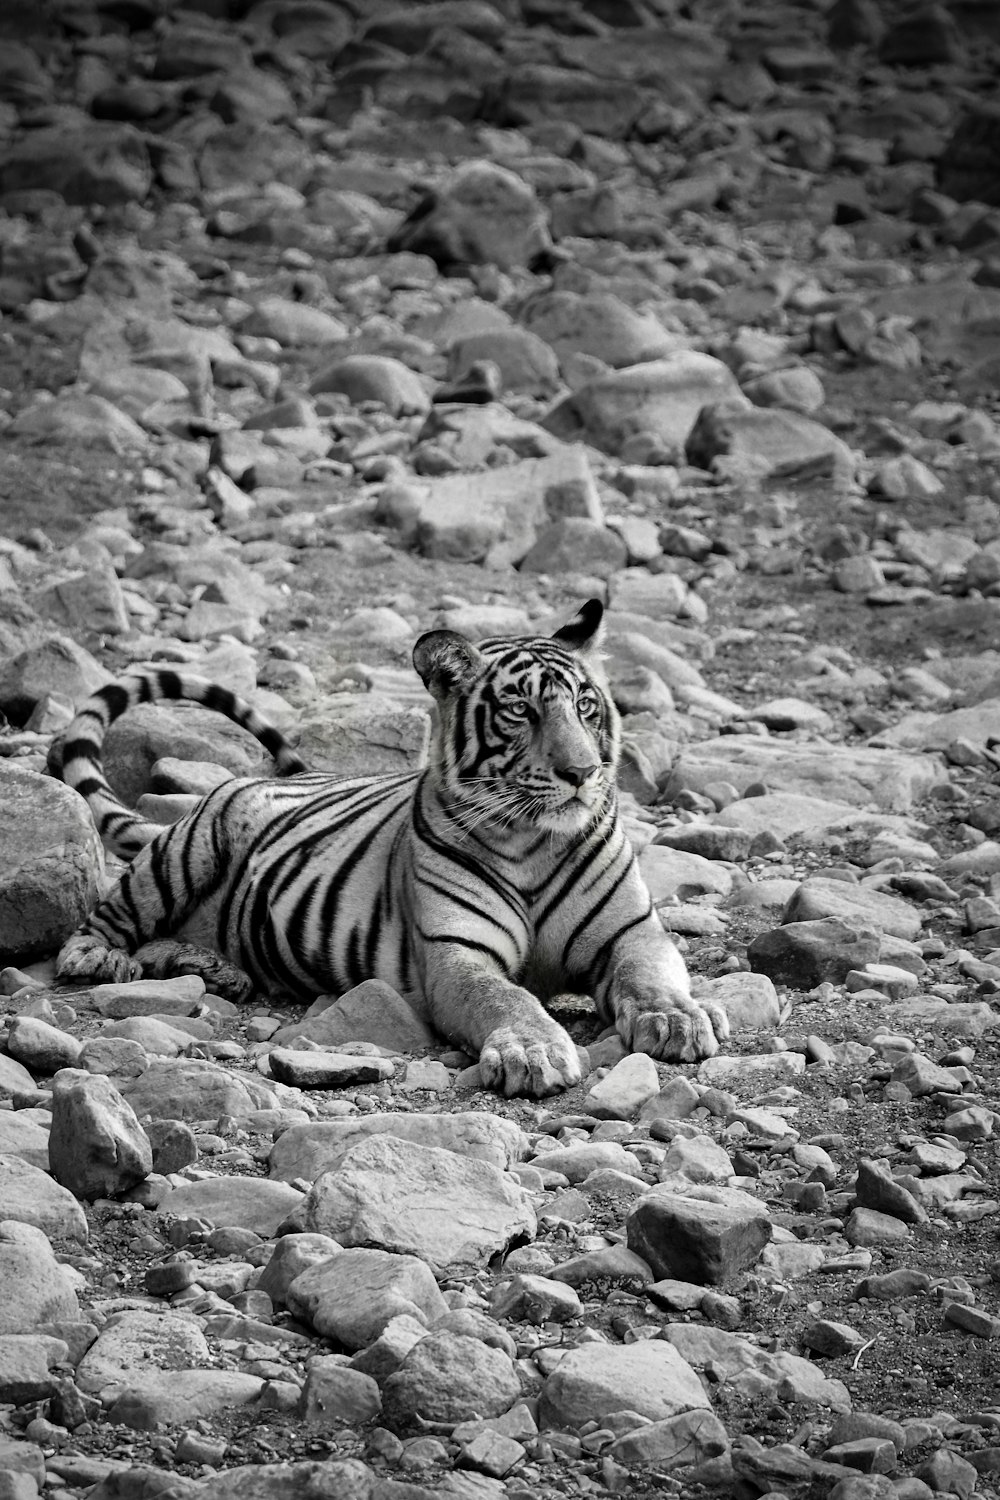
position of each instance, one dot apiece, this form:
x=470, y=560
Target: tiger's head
x=527, y=735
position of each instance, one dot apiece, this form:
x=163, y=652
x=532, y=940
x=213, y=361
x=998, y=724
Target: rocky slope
x=326, y=323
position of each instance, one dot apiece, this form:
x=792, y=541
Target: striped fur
x=498, y=874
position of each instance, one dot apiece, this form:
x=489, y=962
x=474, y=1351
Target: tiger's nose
x=576, y=775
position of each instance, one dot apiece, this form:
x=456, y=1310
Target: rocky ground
x=323, y=324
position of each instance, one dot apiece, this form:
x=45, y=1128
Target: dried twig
x=857, y=1358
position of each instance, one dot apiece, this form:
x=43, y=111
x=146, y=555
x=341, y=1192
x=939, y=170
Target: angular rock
x=418, y=1200
x=97, y=1148
x=29, y=1196
x=371, y=1012
x=483, y=213
x=704, y=1242
x=193, y=1089
x=805, y=954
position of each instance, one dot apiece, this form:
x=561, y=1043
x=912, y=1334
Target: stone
x=51, y=866
x=97, y=1148
x=661, y=396
x=371, y=1012
x=535, y=1299
x=99, y=162
x=575, y=544
x=307, y=1150
x=293, y=324
x=325, y=1070
x=138, y=1340
x=599, y=324
x=623, y=1091
x=24, y=1138
x=37, y=1289
x=449, y=1378
x=415, y=1199
x=806, y=954
x=687, y=1439
x=482, y=213
x=704, y=1242
x=372, y=377
x=242, y=1202
x=30, y=1196
x=195, y=1089
x=818, y=898
x=293, y=1254
x=867, y=1226
x=351, y=1296
x=749, y=1000
x=593, y=1380
x=41, y=1047
x=175, y=1396
x=334, y=1395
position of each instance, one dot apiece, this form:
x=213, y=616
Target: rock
x=416, y=1199
x=352, y=1296
x=576, y=545
x=51, y=865
x=325, y=1070
x=293, y=324
x=99, y=162
x=371, y=1012
x=768, y=442
x=866, y=1226
x=749, y=1000
x=41, y=1047
x=171, y=1397
x=334, y=1395
x=805, y=954
x=81, y=421
x=37, y=1289
x=448, y=1378
x=687, y=1439
x=599, y=324
x=817, y=899
x=661, y=397
x=371, y=377
x=29, y=1196
x=23, y=1138
x=97, y=1148
x=695, y=1240
x=307, y=1150
x=244, y=1202
x=293, y=1254
x=193, y=1089
x=153, y=1342
x=623, y=1091
x=649, y=1377
x=577, y=1162
x=482, y=213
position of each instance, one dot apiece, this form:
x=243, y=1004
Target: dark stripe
x=588, y=919
x=472, y=946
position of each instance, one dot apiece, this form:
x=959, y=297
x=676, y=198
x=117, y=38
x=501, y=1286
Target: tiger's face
x=529, y=736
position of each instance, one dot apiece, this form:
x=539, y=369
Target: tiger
x=479, y=887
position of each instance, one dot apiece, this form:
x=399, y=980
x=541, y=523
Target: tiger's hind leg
x=168, y=882
x=166, y=958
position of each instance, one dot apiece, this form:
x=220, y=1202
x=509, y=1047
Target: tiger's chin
x=573, y=816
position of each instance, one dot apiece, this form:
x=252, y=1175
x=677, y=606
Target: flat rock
x=325, y=1070
x=818, y=898
x=851, y=775
x=419, y=1200
x=150, y=1401
x=649, y=1377
x=307, y=1150
x=733, y=1359
x=24, y=1138
x=677, y=1442
x=243, y=1202
x=194, y=1089
x=661, y=397
x=136, y=1342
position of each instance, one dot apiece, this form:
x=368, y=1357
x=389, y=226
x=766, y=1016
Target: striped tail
x=124, y=832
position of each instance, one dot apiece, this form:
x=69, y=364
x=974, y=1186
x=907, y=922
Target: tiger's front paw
x=529, y=1063
x=680, y=1030
x=84, y=959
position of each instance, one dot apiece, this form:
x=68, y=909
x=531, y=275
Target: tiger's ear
x=585, y=631
x=447, y=662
